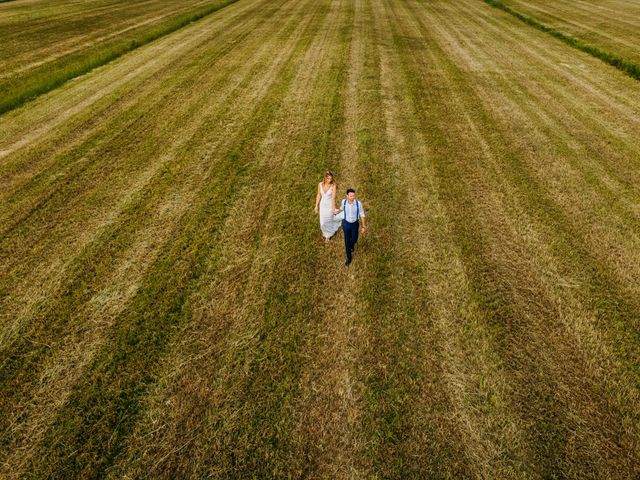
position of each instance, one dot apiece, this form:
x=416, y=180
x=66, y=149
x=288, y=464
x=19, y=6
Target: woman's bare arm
x=333, y=198
x=318, y=197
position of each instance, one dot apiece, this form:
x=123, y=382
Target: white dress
x=329, y=224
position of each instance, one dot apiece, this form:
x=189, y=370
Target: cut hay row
x=71, y=45
x=169, y=311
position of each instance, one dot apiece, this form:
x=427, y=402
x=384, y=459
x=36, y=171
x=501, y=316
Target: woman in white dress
x=326, y=206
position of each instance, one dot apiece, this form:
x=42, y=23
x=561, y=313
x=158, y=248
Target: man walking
x=352, y=213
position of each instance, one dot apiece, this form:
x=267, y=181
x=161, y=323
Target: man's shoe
x=346, y=264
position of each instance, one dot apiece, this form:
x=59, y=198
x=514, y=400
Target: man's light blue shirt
x=351, y=210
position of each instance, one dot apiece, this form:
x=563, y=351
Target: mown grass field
x=167, y=306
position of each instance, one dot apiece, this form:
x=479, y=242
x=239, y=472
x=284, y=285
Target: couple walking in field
x=348, y=215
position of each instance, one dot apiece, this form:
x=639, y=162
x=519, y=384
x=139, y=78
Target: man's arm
x=363, y=218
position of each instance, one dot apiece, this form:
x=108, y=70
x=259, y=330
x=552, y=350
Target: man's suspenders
x=344, y=209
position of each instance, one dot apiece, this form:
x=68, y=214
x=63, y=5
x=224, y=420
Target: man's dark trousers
x=350, y=236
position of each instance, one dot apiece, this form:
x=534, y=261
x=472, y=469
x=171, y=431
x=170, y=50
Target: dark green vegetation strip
x=630, y=68
x=50, y=76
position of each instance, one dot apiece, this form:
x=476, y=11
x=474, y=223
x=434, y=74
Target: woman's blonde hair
x=329, y=173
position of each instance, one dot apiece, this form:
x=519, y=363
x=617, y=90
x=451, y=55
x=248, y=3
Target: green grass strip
x=630, y=68
x=21, y=90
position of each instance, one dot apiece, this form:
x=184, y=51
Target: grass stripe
x=427, y=442
x=606, y=294
x=592, y=177
x=103, y=252
x=77, y=176
x=542, y=203
x=48, y=179
x=487, y=316
x=52, y=76
x=599, y=208
x=611, y=25
x=618, y=163
x=491, y=293
x=45, y=195
x=168, y=176
x=625, y=66
x=26, y=130
x=579, y=260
